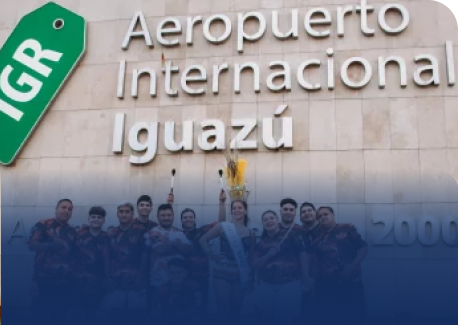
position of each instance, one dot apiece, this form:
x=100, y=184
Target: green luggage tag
x=35, y=62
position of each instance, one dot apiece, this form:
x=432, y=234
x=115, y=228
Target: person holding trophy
x=232, y=274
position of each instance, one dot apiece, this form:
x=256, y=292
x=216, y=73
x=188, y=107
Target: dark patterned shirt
x=314, y=232
x=146, y=226
x=334, y=249
x=310, y=235
x=53, y=266
x=199, y=263
x=89, y=262
x=303, y=233
x=176, y=307
x=125, y=252
x=283, y=267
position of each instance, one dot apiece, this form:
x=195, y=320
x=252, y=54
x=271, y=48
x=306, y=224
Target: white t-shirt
x=158, y=267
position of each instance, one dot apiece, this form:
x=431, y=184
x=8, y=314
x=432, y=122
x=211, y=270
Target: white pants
x=280, y=303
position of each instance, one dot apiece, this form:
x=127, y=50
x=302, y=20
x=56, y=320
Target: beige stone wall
x=367, y=153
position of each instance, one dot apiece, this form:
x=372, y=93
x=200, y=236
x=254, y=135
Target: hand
x=222, y=197
x=273, y=251
x=170, y=198
x=347, y=271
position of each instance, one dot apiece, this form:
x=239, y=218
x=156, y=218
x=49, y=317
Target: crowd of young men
x=147, y=271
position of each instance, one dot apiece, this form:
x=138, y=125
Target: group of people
x=146, y=270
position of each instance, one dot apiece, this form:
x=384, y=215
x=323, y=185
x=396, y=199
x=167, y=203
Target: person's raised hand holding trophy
x=171, y=197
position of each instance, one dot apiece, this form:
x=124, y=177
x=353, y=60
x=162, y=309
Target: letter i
x=331, y=77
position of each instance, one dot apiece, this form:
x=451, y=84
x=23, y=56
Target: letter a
x=138, y=17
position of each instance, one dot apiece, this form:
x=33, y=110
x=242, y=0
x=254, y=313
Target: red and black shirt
x=199, y=264
x=147, y=226
x=336, y=248
x=54, y=266
x=125, y=253
x=284, y=267
x=314, y=232
x=88, y=265
x=303, y=233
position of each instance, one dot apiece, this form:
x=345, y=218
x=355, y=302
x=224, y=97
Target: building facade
x=347, y=103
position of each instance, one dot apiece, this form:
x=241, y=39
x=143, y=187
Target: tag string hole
x=58, y=23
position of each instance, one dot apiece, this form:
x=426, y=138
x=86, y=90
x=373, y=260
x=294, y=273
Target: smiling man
x=288, y=213
x=144, y=208
x=309, y=220
x=53, y=240
x=128, y=261
x=290, y=228
x=90, y=267
x=288, y=224
x=288, y=209
x=167, y=242
x=312, y=231
x=339, y=251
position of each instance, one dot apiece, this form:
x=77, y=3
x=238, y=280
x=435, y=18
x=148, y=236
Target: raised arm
x=222, y=206
x=211, y=234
